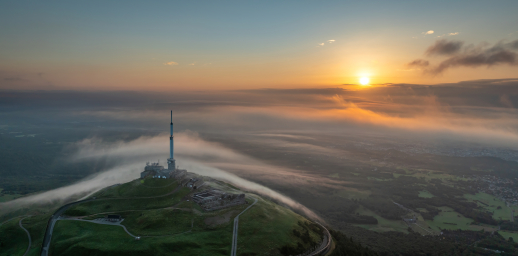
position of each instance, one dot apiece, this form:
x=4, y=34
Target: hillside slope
x=162, y=214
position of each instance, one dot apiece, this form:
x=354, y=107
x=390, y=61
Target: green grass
x=266, y=227
x=507, y=234
x=447, y=216
x=118, y=205
x=13, y=240
x=159, y=222
x=6, y=197
x=492, y=203
x=429, y=175
x=425, y=194
x=139, y=188
x=351, y=193
x=263, y=229
x=36, y=226
x=383, y=224
x=82, y=238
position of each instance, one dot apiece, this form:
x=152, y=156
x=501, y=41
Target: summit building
x=158, y=171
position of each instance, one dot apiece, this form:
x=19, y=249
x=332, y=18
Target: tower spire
x=171, y=163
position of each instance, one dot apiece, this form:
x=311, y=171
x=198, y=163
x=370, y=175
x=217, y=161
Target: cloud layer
x=195, y=154
x=480, y=111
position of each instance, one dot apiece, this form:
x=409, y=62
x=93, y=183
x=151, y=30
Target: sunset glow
x=275, y=46
x=266, y=118
x=364, y=80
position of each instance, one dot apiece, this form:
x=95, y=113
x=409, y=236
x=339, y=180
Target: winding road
x=28, y=235
x=52, y=222
x=236, y=225
x=326, y=243
x=21, y=226
x=62, y=209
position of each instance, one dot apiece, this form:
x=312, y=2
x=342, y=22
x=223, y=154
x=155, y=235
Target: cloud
x=469, y=110
x=478, y=57
x=504, y=99
x=480, y=111
x=419, y=63
x=429, y=32
x=321, y=44
x=331, y=41
x=449, y=34
x=444, y=47
x=13, y=79
x=171, y=63
x=469, y=56
x=194, y=154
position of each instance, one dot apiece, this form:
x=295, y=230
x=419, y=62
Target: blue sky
x=238, y=37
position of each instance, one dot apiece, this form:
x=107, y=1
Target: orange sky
x=187, y=46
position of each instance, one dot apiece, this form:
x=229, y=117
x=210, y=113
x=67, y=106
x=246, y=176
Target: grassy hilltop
x=159, y=212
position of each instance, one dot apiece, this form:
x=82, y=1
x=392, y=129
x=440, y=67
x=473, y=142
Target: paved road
x=234, y=234
x=52, y=222
x=28, y=235
x=324, y=247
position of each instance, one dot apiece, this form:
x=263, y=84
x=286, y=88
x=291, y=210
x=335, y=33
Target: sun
x=364, y=80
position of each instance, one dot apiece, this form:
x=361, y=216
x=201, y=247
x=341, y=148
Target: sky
x=244, y=45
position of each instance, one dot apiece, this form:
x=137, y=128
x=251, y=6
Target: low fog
x=196, y=155
x=223, y=134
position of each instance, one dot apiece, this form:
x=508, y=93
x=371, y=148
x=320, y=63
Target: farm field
x=425, y=194
x=7, y=197
x=383, y=224
x=449, y=219
x=507, y=234
x=491, y=204
x=352, y=193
